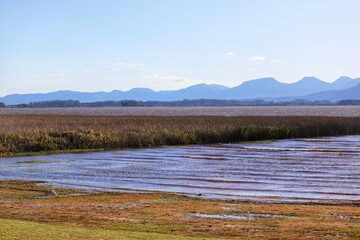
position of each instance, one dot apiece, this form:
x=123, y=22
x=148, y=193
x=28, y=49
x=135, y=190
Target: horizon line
x=208, y=84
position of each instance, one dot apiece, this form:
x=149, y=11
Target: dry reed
x=40, y=133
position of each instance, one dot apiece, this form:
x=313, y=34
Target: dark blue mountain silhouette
x=345, y=82
x=337, y=95
x=307, y=88
x=263, y=87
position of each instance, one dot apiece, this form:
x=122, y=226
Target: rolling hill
x=337, y=95
x=268, y=88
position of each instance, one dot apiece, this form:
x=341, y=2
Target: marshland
x=179, y=177
x=181, y=119
x=26, y=134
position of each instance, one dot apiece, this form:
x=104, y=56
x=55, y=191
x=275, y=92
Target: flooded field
x=322, y=169
x=347, y=111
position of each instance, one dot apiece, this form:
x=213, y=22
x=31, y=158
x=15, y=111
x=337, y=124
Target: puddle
x=247, y=216
x=349, y=217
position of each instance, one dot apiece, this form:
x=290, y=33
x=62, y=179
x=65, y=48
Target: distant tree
x=300, y=102
x=102, y=104
x=322, y=103
x=23, y=105
x=182, y=103
x=53, y=103
x=2, y=105
x=349, y=102
x=131, y=103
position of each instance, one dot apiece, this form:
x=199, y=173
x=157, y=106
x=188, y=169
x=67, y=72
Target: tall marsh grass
x=40, y=133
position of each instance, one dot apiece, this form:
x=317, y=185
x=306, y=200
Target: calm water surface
x=286, y=170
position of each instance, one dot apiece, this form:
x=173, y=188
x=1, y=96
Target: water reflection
x=287, y=170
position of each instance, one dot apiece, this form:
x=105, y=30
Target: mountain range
x=309, y=88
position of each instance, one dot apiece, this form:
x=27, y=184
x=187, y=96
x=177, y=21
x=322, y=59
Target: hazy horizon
x=175, y=89
x=93, y=45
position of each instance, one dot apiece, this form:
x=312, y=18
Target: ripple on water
x=324, y=169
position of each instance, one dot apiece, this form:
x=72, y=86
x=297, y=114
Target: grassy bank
x=21, y=134
x=19, y=230
x=28, y=211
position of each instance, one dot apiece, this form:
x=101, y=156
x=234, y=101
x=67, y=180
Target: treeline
x=181, y=103
x=349, y=102
x=54, y=103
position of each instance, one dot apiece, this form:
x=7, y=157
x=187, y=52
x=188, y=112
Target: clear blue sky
x=101, y=45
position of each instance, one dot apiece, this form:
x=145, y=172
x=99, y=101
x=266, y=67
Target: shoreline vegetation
x=28, y=210
x=42, y=134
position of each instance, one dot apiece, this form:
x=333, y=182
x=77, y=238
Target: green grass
x=15, y=229
x=27, y=211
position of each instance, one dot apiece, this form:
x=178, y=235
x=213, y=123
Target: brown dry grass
x=40, y=133
x=172, y=214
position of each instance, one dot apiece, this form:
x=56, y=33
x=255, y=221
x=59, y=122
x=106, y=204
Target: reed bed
x=21, y=134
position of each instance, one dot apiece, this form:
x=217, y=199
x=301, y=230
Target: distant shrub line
x=181, y=103
x=29, y=134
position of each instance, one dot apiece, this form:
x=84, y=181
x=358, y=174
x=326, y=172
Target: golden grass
x=21, y=134
x=161, y=215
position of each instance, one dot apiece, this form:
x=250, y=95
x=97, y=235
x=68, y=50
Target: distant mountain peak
x=198, y=88
x=267, y=80
x=148, y=90
x=309, y=79
x=343, y=79
x=116, y=91
x=204, y=86
x=199, y=85
x=267, y=87
x=336, y=95
x=345, y=82
x=219, y=86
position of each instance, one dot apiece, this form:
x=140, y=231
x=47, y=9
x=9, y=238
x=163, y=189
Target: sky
x=102, y=45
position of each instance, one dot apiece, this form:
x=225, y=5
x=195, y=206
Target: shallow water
x=247, y=216
x=286, y=170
